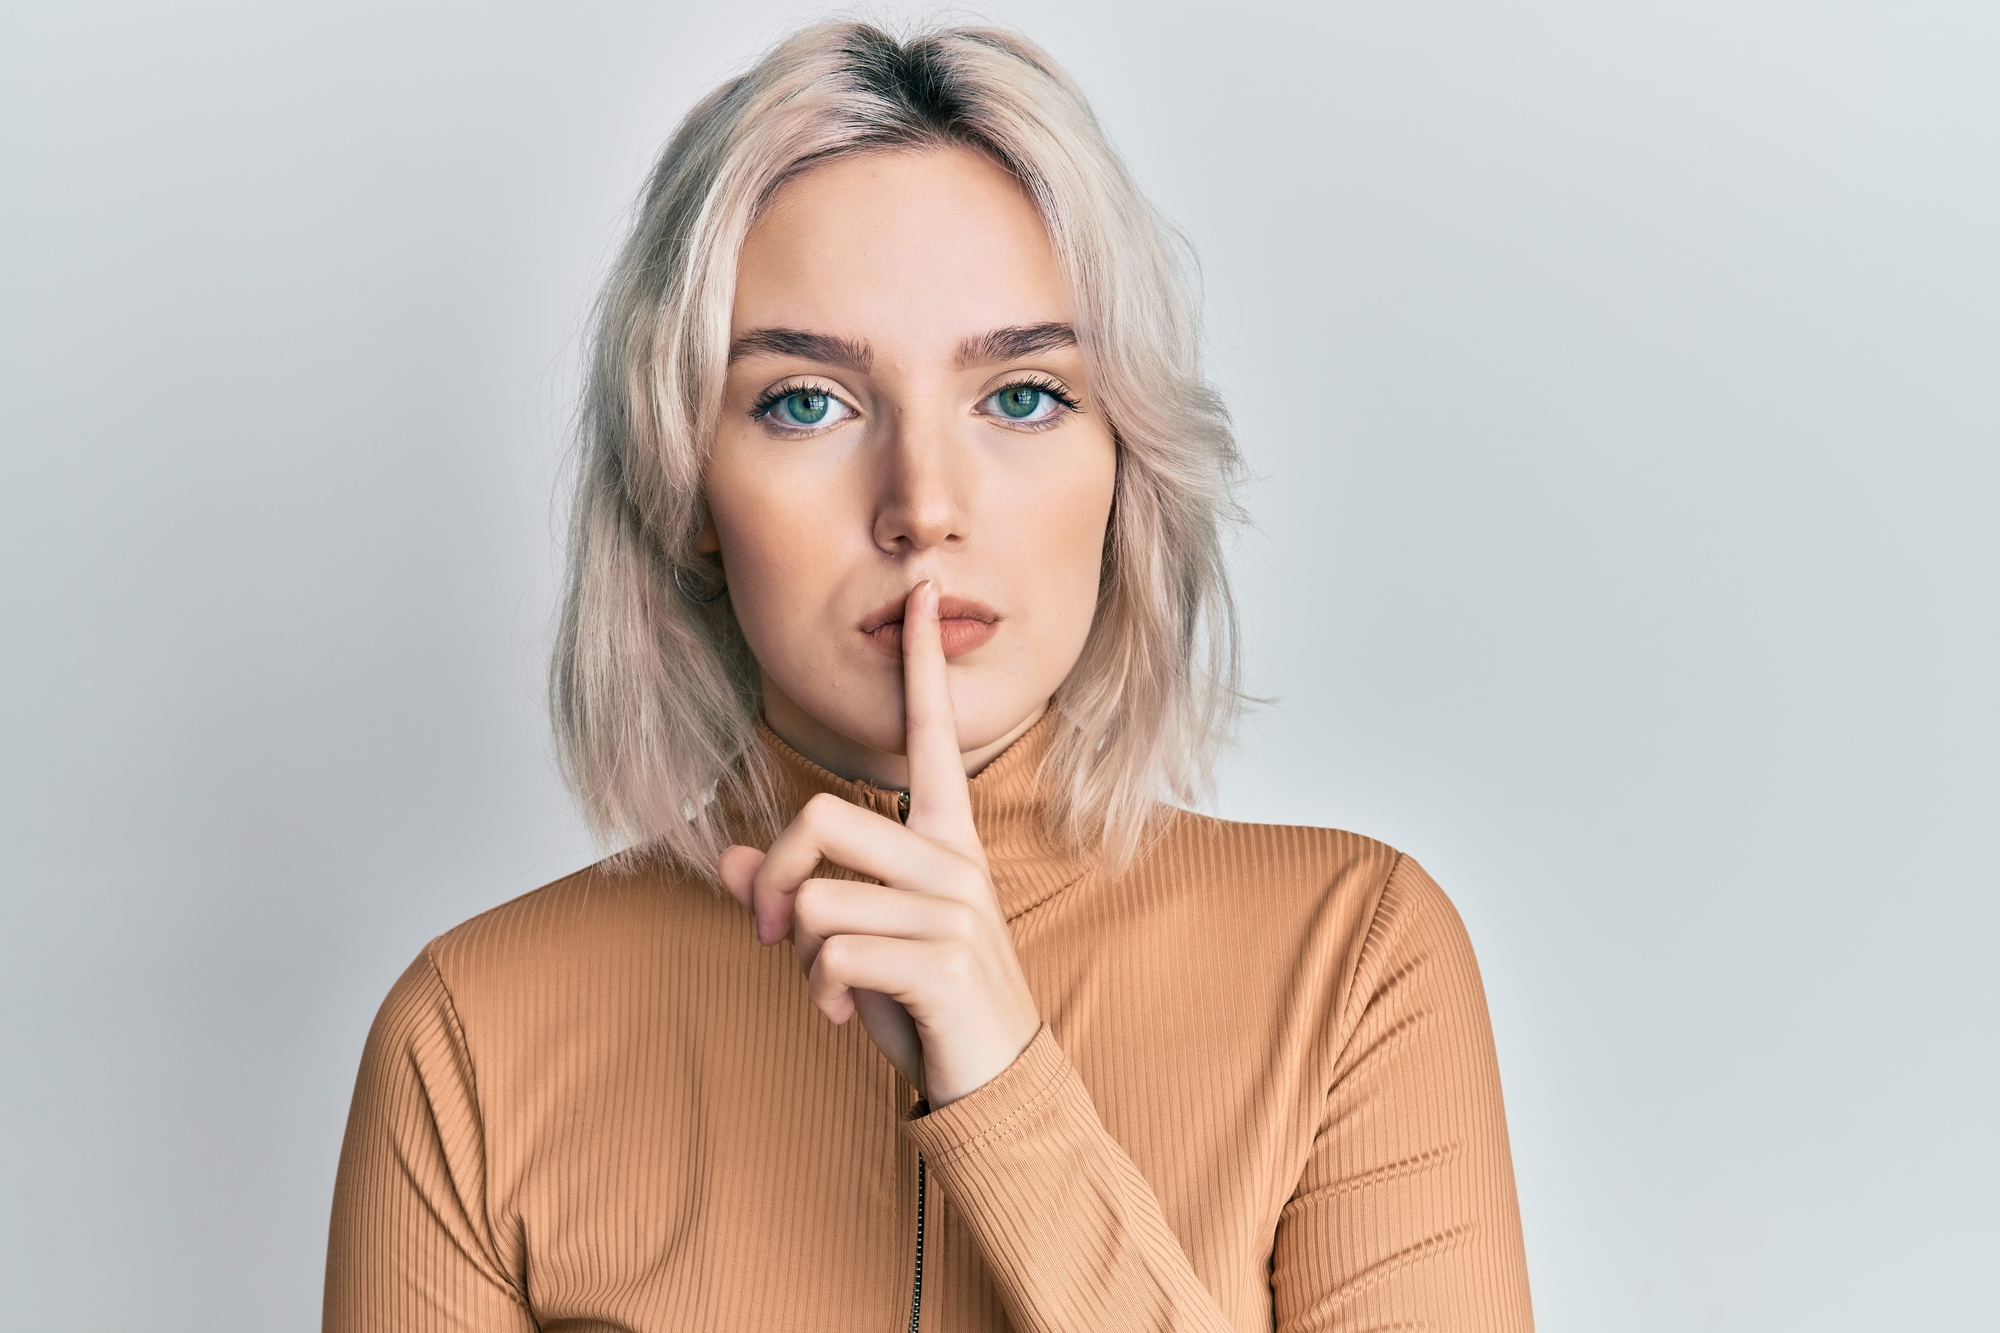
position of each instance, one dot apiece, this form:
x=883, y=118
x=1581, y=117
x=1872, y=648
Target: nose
x=921, y=505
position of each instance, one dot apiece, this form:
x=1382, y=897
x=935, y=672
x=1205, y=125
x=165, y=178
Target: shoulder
x=1343, y=894
x=602, y=929
x=1270, y=865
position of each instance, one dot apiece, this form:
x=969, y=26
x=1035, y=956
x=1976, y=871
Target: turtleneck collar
x=1028, y=866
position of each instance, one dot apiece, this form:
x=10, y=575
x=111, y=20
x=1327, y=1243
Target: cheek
x=777, y=542
x=1059, y=524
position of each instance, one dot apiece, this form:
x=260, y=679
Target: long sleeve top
x=1263, y=1096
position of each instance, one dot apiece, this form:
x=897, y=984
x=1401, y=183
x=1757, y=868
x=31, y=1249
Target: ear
x=706, y=540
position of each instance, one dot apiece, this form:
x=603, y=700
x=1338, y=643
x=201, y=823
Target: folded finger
x=848, y=963
x=831, y=829
x=825, y=907
x=737, y=868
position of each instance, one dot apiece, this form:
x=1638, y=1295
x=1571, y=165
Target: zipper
x=917, y=1284
x=921, y=1108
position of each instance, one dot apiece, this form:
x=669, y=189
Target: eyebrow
x=1017, y=341
x=1006, y=344
x=824, y=347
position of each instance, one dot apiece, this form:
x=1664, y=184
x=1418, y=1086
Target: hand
x=924, y=957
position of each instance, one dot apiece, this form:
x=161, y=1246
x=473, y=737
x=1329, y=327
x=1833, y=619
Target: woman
x=895, y=602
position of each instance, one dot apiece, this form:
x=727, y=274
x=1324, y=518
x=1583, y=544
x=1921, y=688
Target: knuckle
x=809, y=900
x=835, y=955
x=961, y=919
x=958, y=962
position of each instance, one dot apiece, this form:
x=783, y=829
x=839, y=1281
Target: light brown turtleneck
x=1264, y=1096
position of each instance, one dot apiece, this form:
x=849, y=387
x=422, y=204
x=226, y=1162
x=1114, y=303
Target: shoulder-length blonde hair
x=655, y=693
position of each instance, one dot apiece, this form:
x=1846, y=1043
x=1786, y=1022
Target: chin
x=871, y=716
x=979, y=727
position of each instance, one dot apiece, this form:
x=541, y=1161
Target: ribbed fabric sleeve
x=1071, y=1232
x=1405, y=1216
x=414, y=1249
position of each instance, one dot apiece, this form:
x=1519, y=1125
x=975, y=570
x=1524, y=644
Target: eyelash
x=771, y=397
x=1052, y=388
x=777, y=393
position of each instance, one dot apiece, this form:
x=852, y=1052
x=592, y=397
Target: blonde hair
x=655, y=693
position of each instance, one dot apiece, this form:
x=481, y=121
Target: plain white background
x=1620, y=382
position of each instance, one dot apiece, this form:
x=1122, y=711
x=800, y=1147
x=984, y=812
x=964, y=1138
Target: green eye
x=1029, y=403
x=803, y=409
x=1019, y=401
x=811, y=410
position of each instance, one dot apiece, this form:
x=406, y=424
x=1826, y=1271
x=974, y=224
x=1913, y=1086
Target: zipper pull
x=902, y=807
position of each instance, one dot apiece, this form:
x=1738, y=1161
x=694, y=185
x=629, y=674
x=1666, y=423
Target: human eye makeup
x=792, y=408
x=1033, y=400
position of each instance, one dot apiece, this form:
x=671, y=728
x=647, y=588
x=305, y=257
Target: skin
x=913, y=488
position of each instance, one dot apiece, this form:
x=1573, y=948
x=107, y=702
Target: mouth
x=964, y=625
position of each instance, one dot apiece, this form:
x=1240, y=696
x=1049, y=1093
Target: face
x=905, y=401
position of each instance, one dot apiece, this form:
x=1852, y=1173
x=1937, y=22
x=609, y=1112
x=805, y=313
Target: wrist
x=942, y=1088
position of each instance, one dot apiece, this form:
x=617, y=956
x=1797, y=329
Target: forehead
x=909, y=250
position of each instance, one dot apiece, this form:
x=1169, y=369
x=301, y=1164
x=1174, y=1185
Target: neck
x=846, y=757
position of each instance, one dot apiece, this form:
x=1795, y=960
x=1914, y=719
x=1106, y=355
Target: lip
x=964, y=624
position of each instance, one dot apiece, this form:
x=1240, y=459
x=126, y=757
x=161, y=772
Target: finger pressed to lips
x=940, y=801
x=938, y=852
x=959, y=636
x=965, y=624
x=925, y=950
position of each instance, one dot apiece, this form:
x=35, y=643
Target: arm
x=1072, y=1233
x=410, y=1247
x=1405, y=1215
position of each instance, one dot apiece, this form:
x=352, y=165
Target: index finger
x=940, y=803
